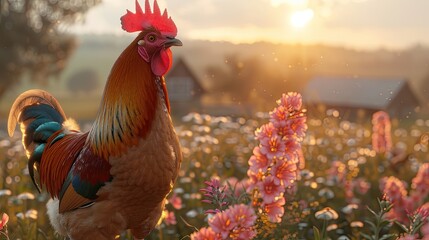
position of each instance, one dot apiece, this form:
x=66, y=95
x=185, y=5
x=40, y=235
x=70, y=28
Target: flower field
x=278, y=175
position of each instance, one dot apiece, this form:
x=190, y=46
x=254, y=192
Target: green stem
x=324, y=230
x=5, y=234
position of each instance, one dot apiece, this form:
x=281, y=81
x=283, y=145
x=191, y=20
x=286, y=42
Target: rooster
x=117, y=175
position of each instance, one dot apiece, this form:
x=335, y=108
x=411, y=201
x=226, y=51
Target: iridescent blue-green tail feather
x=29, y=98
x=40, y=117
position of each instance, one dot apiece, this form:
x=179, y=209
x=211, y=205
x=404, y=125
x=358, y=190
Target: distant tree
x=300, y=72
x=239, y=77
x=84, y=81
x=247, y=80
x=32, y=40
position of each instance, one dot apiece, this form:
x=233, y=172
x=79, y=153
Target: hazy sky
x=354, y=23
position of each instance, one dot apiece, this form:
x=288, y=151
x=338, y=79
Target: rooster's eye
x=151, y=38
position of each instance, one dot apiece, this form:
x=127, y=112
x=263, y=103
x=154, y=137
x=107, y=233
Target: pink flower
x=298, y=125
x=205, y=234
x=275, y=210
x=381, y=136
x=254, y=179
x=284, y=131
x=425, y=231
x=288, y=117
x=279, y=116
x=222, y=224
x=170, y=218
x=243, y=234
x=423, y=211
x=214, y=183
x=362, y=186
x=273, y=166
x=291, y=149
x=266, y=131
x=420, y=183
x=407, y=207
x=214, y=195
x=425, y=206
x=235, y=223
x=394, y=189
x=291, y=101
x=348, y=190
x=273, y=147
x=175, y=201
x=395, y=192
x=294, y=127
x=409, y=237
x=4, y=220
x=284, y=173
x=300, y=158
x=258, y=161
x=242, y=215
x=269, y=190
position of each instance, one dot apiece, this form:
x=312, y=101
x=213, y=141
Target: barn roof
x=354, y=92
x=180, y=62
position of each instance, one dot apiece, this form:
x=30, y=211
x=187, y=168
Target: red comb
x=139, y=21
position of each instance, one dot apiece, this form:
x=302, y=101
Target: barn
x=358, y=98
x=184, y=88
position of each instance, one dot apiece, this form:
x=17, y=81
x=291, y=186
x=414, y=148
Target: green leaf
x=388, y=236
x=403, y=227
x=369, y=209
x=370, y=223
x=316, y=233
x=417, y=228
x=366, y=236
x=389, y=208
x=384, y=223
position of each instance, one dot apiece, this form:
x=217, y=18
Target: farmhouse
x=187, y=94
x=359, y=97
x=184, y=88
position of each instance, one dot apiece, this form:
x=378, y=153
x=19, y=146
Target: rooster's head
x=158, y=33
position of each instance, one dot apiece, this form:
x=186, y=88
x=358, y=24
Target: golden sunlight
x=301, y=18
x=276, y=3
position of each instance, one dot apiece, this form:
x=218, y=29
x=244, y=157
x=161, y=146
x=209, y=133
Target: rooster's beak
x=172, y=42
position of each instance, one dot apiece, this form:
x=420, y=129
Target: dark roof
x=353, y=92
x=181, y=62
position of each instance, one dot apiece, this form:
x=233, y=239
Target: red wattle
x=161, y=62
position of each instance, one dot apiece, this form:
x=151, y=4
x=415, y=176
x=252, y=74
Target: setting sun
x=301, y=18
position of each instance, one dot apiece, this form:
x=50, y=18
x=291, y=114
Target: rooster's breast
x=145, y=174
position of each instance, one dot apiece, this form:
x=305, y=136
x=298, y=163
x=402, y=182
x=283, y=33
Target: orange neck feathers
x=128, y=105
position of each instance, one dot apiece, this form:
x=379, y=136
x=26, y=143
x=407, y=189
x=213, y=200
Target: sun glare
x=301, y=18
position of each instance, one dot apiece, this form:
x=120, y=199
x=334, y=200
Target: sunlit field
x=281, y=108
x=338, y=180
